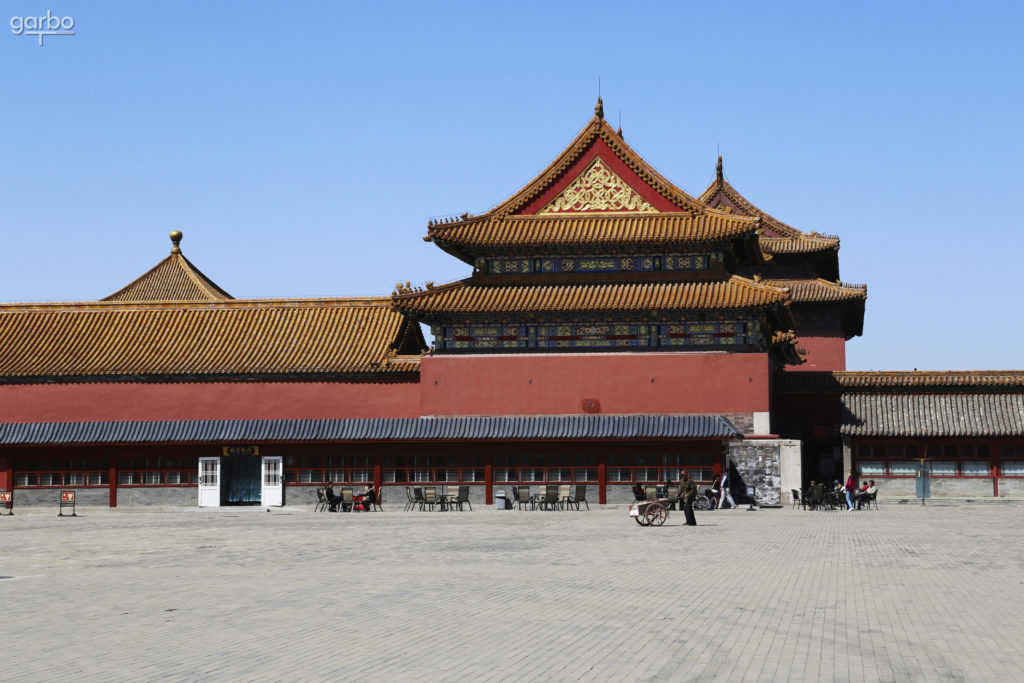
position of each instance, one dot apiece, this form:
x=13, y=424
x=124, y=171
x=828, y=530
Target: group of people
x=364, y=502
x=856, y=498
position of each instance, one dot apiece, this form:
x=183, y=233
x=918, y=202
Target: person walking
x=851, y=487
x=726, y=492
x=689, y=495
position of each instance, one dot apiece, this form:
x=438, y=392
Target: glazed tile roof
x=466, y=297
x=915, y=381
x=806, y=244
x=581, y=229
x=819, y=290
x=173, y=279
x=597, y=128
x=499, y=428
x=932, y=415
x=691, y=221
x=790, y=240
x=284, y=337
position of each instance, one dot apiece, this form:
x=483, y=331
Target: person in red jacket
x=851, y=486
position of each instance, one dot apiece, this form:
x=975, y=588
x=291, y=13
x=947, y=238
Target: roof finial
x=176, y=241
x=599, y=108
x=718, y=171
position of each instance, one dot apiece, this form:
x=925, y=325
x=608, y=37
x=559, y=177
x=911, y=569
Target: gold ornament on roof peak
x=176, y=241
x=598, y=188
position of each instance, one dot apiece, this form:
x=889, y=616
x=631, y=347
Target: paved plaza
x=904, y=593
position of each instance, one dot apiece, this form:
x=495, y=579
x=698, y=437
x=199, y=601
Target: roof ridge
x=105, y=304
x=595, y=128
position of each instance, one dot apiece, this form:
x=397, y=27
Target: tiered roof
x=817, y=253
x=597, y=192
x=782, y=237
x=600, y=197
x=466, y=297
x=148, y=332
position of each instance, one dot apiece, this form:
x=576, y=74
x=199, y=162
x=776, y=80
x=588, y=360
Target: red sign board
x=67, y=496
x=5, y=496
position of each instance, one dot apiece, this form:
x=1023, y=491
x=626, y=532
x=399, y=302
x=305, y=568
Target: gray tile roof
x=938, y=415
x=528, y=427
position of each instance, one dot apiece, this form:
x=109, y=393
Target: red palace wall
x=207, y=401
x=823, y=353
x=558, y=384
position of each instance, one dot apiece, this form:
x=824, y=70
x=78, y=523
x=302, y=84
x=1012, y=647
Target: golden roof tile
x=465, y=297
x=798, y=245
x=720, y=187
x=909, y=381
x=173, y=279
x=581, y=229
x=596, y=129
x=293, y=337
x=819, y=290
x=688, y=221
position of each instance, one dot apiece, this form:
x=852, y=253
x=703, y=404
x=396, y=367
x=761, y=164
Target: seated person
x=837, y=487
x=333, y=501
x=370, y=498
x=864, y=495
x=638, y=492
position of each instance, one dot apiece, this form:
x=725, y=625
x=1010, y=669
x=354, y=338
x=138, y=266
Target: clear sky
x=302, y=147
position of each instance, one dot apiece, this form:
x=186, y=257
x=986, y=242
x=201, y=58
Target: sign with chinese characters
x=241, y=450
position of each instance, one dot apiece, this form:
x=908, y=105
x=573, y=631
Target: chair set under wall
x=553, y=497
x=427, y=498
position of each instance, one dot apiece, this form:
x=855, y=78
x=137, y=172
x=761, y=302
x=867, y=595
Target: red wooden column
x=602, y=478
x=995, y=466
x=378, y=479
x=7, y=473
x=489, y=480
x=112, y=481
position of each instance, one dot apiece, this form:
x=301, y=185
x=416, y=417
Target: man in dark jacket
x=689, y=495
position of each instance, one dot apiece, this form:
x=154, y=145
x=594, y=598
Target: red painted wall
x=823, y=353
x=556, y=384
x=206, y=401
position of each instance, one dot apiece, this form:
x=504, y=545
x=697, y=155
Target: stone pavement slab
x=903, y=593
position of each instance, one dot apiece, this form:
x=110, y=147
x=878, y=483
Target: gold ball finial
x=176, y=241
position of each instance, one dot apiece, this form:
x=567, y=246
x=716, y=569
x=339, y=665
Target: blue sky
x=301, y=148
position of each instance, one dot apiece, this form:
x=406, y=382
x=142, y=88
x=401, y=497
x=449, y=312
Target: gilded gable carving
x=598, y=189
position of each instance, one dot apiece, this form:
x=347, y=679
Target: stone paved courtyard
x=904, y=593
